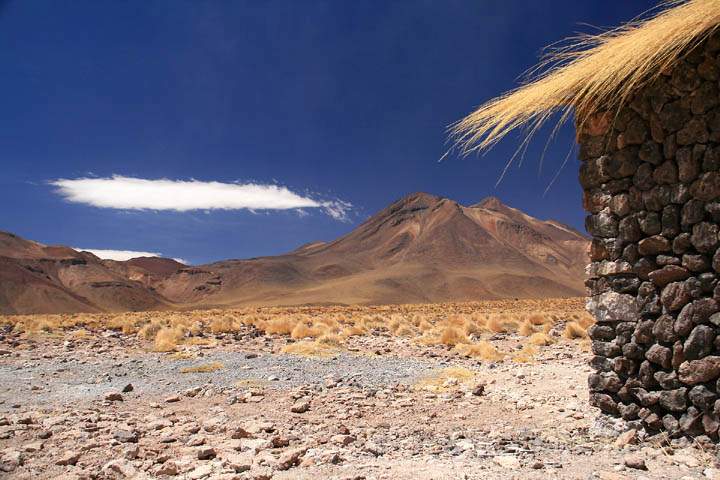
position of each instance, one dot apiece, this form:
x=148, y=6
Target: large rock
x=699, y=343
x=668, y=274
x=699, y=371
x=707, y=187
x=705, y=237
x=613, y=307
x=702, y=397
x=654, y=245
x=695, y=313
x=675, y=296
x=663, y=329
x=659, y=355
x=604, y=402
x=674, y=400
x=606, y=381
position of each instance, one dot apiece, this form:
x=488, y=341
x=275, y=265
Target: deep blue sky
x=348, y=99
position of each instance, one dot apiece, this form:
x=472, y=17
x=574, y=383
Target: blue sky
x=322, y=103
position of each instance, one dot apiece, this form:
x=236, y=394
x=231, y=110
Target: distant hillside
x=421, y=248
x=36, y=278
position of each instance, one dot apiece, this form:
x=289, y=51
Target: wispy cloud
x=122, y=255
x=129, y=193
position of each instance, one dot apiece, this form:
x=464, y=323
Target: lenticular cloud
x=128, y=193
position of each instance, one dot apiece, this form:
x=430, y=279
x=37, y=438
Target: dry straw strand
x=591, y=73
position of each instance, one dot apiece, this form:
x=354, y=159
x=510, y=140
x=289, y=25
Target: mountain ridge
x=420, y=248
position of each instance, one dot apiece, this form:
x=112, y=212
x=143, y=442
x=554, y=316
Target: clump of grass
x=205, y=368
x=223, y=324
x=574, y=330
x=526, y=329
x=303, y=330
x=330, y=340
x=149, y=331
x=309, y=349
x=442, y=380
x=526, y=354
x=353, y=330
x=283, y=325
x=181, y=356
x=537, y=319
x=540, y=339
x=167, y=339
x=452, y=336
x=482, y=350
x=80, y=334
x=405, y=331
x=495, y=325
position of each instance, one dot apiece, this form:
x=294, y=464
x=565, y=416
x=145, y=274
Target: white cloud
x=128, y=193
x=122, y=255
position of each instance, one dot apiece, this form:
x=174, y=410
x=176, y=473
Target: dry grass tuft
x=525, y=355
x=526, y=329
x=452, y=336
x=303, y=330
x=482, y=350
x=309, y=349
x=223, y=325
x=167, y=339
x=283, y=325
x=205, y=368
x=540, y=339
x=574, y=330
x=446, y=378
x=591, y=73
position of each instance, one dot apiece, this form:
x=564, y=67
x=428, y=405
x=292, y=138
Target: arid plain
x=493, y=389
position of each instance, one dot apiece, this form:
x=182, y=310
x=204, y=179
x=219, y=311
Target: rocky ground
x=382, y=408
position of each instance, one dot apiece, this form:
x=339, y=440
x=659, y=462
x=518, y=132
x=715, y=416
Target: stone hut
x=649, y=163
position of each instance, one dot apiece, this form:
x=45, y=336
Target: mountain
x=36, y=278
x=422, y=248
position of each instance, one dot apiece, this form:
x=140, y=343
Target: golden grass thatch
x=592, y=73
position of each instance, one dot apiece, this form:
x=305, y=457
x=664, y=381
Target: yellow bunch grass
x=307, y=348
x=526, y=329
x=223, y=325
x=281, y=325
x=574, y=330
x=438, y=381
x=452, y=336
x=482, y=350
x=591, y=73
x=167, y=339
x=303, y=330
x=540, y=339
x=525, y=355
x=204, y=368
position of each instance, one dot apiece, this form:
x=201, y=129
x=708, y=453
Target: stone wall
x=651, y=180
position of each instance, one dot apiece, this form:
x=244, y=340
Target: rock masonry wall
x=651, y=180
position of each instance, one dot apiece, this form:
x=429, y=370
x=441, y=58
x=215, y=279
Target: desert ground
x=479, y=390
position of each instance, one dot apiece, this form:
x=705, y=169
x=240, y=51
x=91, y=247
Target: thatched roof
x=592, y=73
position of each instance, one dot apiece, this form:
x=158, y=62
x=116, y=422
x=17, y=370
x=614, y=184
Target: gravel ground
x=69, y=379
x=364, y=413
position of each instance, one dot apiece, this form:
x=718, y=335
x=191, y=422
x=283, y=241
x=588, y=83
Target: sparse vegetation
x=446, y=379
x=471, y=330
x=204, y=368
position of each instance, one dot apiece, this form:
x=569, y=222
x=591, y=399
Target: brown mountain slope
x=422, y=248
x=36, y=278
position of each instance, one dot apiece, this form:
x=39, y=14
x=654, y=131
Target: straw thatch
x=592, y=73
